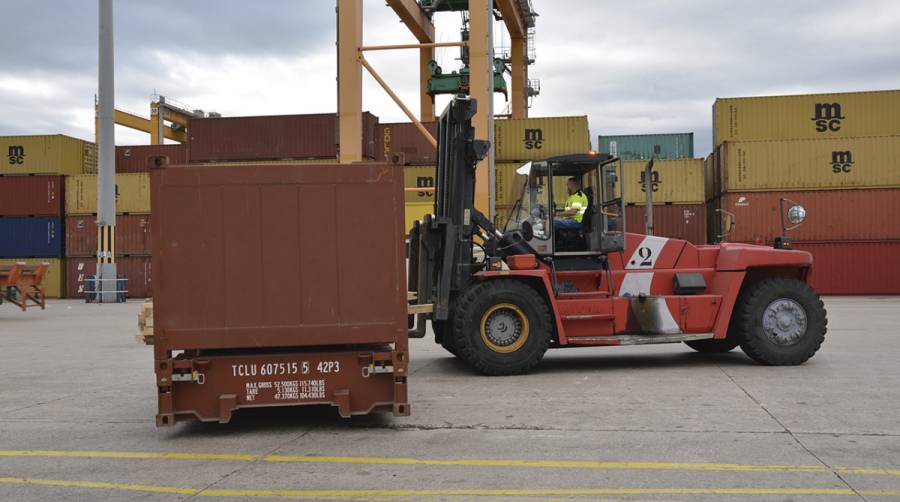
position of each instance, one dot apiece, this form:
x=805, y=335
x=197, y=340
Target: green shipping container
x=647, y=146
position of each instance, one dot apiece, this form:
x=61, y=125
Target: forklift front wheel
x=501, y=327
x=780, y=321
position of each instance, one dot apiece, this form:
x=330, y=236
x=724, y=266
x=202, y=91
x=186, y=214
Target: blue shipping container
x=32, y=237
x=647, y=146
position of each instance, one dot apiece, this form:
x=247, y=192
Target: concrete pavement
x=77, y=403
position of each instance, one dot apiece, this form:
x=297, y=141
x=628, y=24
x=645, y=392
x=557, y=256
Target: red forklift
x=502, y=297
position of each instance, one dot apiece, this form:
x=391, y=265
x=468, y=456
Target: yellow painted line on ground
x=586, y=464
x=353, y=494
x=508, y=463
x=126, y=454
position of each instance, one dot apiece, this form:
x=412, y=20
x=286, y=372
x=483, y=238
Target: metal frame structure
x=161, y=112
x=480, y=47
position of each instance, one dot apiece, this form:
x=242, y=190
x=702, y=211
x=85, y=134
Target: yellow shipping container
x=809, y=116
x=416, y=211
x=132, y=193
x=540, y=137
x=509, y=186
x=810, y=164
x=56, y=274
x=709, y=187
x=675, y=181
x=47, y=154
x=419, y=177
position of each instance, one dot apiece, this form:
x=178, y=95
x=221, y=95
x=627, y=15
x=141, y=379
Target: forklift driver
x=576, y=205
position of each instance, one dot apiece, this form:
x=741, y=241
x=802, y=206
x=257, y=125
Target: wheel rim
x=504, y=328
x=784, y=321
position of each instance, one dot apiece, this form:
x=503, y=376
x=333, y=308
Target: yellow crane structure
x=517, y=16
x=168, y=120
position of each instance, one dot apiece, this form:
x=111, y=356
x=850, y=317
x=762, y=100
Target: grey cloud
x=643, y=66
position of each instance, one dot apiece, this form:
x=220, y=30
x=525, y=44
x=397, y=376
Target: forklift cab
x=602, y=226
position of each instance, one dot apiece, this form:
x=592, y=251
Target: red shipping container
x=273, y=137
x=134, y=159
x=405, y=138
x=679, y=221
x=132, y=235
x=32, y=195
x=831, y=215
x=854, y=268
x=137, y=269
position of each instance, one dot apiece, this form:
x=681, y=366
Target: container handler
x=501, y=298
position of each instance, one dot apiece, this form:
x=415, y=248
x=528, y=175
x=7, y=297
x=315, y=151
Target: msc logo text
x=534, y=139
x=828, y=117
x=654, y=181
x=425, y=182
x=841, y=162
x=16, y=155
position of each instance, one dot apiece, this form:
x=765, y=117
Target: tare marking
x=646, y=254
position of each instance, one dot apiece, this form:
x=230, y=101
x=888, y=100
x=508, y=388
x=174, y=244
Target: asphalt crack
x=792, y=435
x=257, y=461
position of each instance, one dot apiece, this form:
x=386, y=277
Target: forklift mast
x=441, y=260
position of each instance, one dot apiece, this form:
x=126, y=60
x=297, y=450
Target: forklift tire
x=779, y=321
x=501, y=327
x=713, y=346
x=443, y=336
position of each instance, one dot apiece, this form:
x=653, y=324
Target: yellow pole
x=481, y=88
x=350, y=18
x=423, y=45
x=519, y=79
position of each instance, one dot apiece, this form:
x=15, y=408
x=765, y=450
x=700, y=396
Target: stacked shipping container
x=836, y=154
x=517, y=141
x=648, y=146
x=679, y=209
x=32, y=199
x=132, y=237
x=405, y=142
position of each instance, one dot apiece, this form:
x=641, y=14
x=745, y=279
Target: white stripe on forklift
x=646, y=254
x=636, y=283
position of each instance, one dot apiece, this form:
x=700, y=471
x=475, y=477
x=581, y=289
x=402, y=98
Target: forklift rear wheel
x=713, y=346
x=501, y=327
x=780, y=321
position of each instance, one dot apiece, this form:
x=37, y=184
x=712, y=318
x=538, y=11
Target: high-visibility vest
x=578, y=201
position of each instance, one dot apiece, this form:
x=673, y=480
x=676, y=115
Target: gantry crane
x=168, y=120
x=518, y=17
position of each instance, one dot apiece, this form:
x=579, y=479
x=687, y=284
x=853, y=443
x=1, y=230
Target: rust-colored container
x=132, y=235
x=32, y=195
x=271, y=137
x=404, y=138
x=134, y=159
x=679, y=221
x=831, y=215
x=854, y=268
x=270, y=264
x=137, y=269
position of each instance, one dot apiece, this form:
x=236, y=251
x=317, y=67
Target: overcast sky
x=646, y=66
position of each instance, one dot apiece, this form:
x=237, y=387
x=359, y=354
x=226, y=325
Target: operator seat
x=574, y=239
